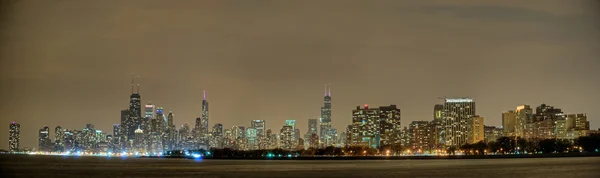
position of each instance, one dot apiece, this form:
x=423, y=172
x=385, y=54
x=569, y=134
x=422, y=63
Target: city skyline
x=269, y=61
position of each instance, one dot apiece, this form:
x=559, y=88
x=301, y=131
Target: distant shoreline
x=402, y=157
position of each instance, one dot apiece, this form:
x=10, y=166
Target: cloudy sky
x=69, y=62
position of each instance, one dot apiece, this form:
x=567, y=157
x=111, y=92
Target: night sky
x=69, y=62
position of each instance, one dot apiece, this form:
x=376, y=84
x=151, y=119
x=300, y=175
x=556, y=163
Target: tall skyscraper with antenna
x=326, y=117
x=134, y=118
x=204, y=121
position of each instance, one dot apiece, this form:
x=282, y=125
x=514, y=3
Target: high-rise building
x=69, y=140
x=457, y=112
x=437, y=128
x=325, y=116
x=419, y=133
x=59, y=138
x=139, y=140
x=364, y=130
x=286, y=138
x=14, y=136
x=204, y=121
x=476, y=129
x=149, y=111
x=509, y=123
x=312, y=126
x=217, y=136
x=491, y=133
x=260, y=127
x=252, y=140
x=389, y=125
x=44, y=143
x=524, y=117
x=135, y=112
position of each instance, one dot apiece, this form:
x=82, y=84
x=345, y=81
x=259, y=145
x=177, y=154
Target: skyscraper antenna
x=329, y=90
x=204, y=94
x=138, y=86
x=325, y=89
x=132, y=82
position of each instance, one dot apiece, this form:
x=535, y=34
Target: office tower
x=59, y=139
x=389, y=125
x=286, y=137
x=99, y=136
x=139, y=140
x=149, y=111
x=457, y=112
x=572, y=127
x=259, y=125
x=135, y=112
x=577, y=122
x=123, y=129
x=217, y=136
x=291, y=123
x=196, y=130
x=330, y=137
x=437, y=128
x=228, y=139
x=547, y=112
x=325, y=115
x=491, y=133
x=155, y=144
x=419, y=134
x=44, y=143
x=69, y=140
x=365, y=127
x=509, y=124
x=312, y=126
x=14, y=136
x=476, y=130
x=169, y=136
x=524, y=119
x=438, y=111
x=204, y=121
x=251, y=137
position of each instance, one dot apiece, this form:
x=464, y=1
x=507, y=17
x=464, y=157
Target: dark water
x=59, y=166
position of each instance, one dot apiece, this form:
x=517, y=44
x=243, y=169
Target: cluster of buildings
x=456, y=123
x=147, y=129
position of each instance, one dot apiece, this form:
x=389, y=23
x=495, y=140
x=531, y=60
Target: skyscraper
x=149, y=111
x=419, y=134
x=204, y=121
x=14, y=136
x=509, y=123
x=523, y=120
x=476, y=129
x=325, y=115
x=364, y=130
x=260, y=127
x=312, y=126
x=437, y=127
x=59, y=135
x=286, y=137
x=217, y=136
x=44, y=143
x=389, y=125
x=457, y=111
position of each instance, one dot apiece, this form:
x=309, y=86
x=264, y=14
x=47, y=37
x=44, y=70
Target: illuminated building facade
x=419, y=136
x=364, y=130
x=476, y=130
x=457, y=112
x=325, y=121
x=14, y=137
x=389, y=125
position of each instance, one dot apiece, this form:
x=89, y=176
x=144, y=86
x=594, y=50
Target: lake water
x=71, y=166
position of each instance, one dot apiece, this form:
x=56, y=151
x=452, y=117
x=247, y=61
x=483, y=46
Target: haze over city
x=69, y=63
